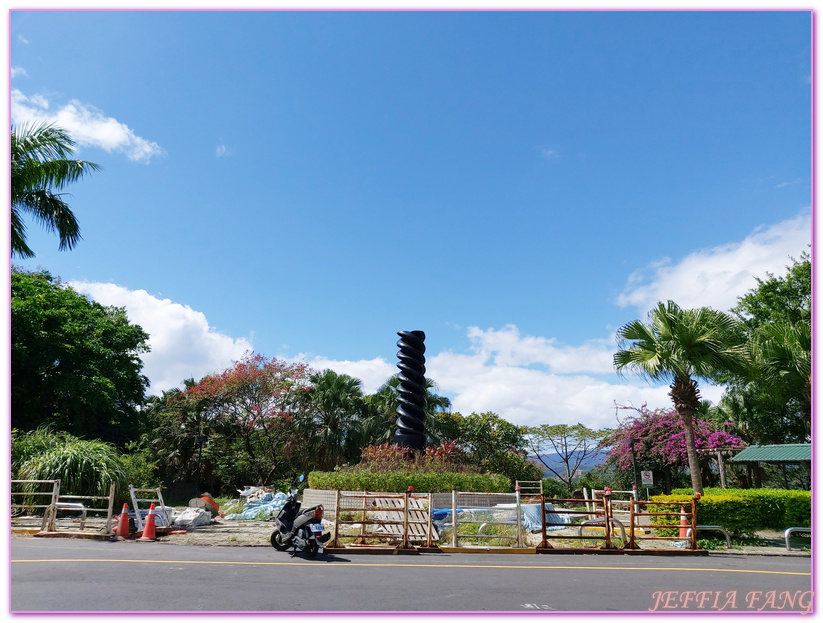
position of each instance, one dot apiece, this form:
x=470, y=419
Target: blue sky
x=516, y=184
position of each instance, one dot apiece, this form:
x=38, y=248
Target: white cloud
x=221, y=151
x=485, y=380
x=22, y=39
x=183, y=345
x=373, y=372
x=18, y=71
x=528, y=396
x=87, y=125
x=528, y=380
x=717, y=277
x=549, y=152
x=498, y=374
x=508, y=348
x=533, y=397
x=535, y=380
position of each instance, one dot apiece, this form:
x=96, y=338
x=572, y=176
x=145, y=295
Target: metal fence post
x=454, y=518
x=361, y=540
x=335, y=542
x=607, y=516
x=545, y=542
x=51, y=512
x=518, y=509
x=406, y=519
x=634, y=509
x=429, y=534
x=694, y=521
x=110, y=508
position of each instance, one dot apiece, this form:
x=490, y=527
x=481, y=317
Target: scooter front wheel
x=278, y=542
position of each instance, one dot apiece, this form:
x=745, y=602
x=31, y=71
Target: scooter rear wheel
x=278, y=542
x=311, y=548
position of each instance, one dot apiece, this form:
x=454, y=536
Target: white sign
x=647, y=478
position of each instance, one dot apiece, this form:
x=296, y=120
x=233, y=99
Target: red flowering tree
x=238, y=423
x=660, y=442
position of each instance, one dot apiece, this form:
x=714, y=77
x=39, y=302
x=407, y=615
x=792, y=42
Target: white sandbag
x=192, y=517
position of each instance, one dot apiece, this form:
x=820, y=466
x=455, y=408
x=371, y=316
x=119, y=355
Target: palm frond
x=41, y=166
x=678, y=342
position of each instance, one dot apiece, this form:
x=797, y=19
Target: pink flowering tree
x=660, y=442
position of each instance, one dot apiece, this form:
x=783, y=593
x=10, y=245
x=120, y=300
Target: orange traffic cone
x=684, y=524
x=122, y=530
x=149, y=531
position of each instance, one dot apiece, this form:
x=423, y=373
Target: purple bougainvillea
x=660, y=439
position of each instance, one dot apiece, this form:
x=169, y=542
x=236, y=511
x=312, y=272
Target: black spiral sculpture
x=411, y=415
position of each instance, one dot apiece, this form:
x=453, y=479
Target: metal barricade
x=486, y=509
x=595, y=510
x=397, y=519
x=689, y=513
x=109, y=500
x=58, y=502
x=50, y=512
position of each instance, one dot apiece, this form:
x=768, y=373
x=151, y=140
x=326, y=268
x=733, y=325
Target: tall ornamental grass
x=84, y=467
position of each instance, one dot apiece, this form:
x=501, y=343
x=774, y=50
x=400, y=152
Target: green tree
x=784, y=355
x=491, y=443
x=380, y=416
x=330, y=420
x=41, y=166
x=75, y=364
x=778, y=299
x=680, y=346
x=571, y=444
x=771, y=402
x=175, y=425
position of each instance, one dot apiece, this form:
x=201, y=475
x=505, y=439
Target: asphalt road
x=48, y=575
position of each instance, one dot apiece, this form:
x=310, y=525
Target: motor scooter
x=299, y=528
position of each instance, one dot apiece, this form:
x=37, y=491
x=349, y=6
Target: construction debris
x=260, y=504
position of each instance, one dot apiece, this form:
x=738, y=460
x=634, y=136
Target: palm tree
x=381, y=411
x=783, y=353
x=41, y=166
x=331, y=421
x=680, y=346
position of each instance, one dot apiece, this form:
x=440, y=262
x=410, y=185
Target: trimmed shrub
x=423, y=482
x=744, y=511
x=798, y=511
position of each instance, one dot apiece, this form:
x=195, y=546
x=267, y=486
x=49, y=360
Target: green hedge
x=743, y=511
x=422, y=482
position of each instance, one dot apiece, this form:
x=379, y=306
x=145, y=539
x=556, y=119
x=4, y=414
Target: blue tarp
x=268, y=504
x=531, y=517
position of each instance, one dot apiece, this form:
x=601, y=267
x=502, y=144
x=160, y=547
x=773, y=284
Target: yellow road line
x=443, y=566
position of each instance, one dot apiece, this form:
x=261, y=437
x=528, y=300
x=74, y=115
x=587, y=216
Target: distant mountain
x=554, y=460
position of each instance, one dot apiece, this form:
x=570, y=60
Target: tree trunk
x=686, y=399
x=691, y=453
x=721, y=467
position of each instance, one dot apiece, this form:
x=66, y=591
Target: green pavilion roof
x=775, y=453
